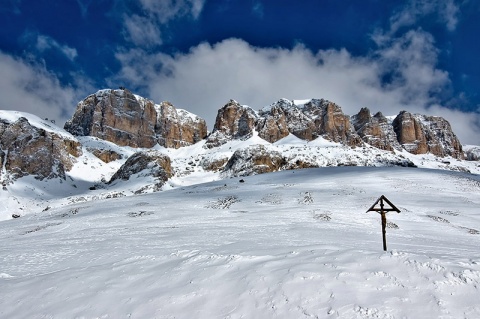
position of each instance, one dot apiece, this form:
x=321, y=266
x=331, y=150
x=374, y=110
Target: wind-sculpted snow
x=293, y=244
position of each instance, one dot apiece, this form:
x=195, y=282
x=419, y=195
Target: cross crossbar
x=382, y=208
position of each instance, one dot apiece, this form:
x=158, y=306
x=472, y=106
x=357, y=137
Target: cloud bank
x=401, y=74
x=27, y=86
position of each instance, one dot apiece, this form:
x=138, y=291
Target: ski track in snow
x=294, y=244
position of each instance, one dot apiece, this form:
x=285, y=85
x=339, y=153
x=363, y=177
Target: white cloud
x=47, y=43
x=166, y=10
x=142, y=31
x=29, y=87
x=446, y=11
x=206, y=77
x=42, y=43
x=145, y=28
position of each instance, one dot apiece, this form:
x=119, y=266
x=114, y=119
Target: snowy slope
x=28, y=195
x=293, y=244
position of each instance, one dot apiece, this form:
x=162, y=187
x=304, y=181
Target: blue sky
x=415, y=55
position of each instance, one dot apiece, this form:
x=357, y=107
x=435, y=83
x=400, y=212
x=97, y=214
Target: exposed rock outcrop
x=106, y=156
x=472, y=153
x=125, y=119
x=331, y=123
x=177, y=128
x=307, y=121
x=146, y=163
x=116, y=116
x=375, y=130
x=282, y=118
x=255, y=159
x=234, y=121
x=31, y=150
x=420, y=134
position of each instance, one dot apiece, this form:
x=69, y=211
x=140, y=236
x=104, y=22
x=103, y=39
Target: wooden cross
x=382, y=211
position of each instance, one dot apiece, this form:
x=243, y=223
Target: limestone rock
x=331, y=123
x=145, y=163
x=234, y=121
x=31, y=150
x=106, y=156
x=116, y=116
x=375, y=130
x=176, y=128
x=255, y=159
x=125, y=119
x=420, y=134
x=308, y=121
x=472, y=153
x=282, y=118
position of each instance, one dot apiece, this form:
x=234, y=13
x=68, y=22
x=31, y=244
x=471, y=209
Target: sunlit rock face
x=125, y=119
x=375, y=130
x=420, y=134
x=233, y=121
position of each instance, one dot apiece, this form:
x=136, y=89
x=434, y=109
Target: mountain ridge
x=86, y=161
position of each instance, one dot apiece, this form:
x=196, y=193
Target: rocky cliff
x=307, y=121
x=376, y=130
x=151, y=163
x=26, y=149
x=234, y=121
x=125, y=119
x=417, y=134
x=420, y=134
x=176, y=128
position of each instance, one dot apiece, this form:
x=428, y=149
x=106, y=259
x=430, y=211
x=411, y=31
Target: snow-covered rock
x=30, y=149
x=255, y=159
x=149, y=163
x=375, y=130
x=472, y=152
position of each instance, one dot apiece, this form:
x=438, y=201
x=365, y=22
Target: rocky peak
x=420, y=134
x=331, y=123
x=234, y=121
x=30, y=150
x=309, y=121
x=176, y=128
x=150, y=163
x=375, y=130
x=272, y=124
x=116, y=116
x=125, y=119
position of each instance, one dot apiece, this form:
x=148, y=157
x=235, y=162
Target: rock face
x=256, y=159
x=106, y=156
x=115, y=116
x=146, y=163
x=121, y=117
x=307, y=121
x=375, y=130
x=234, y=121
x=30, y=150
x=420, y=134
x=176, y=128
x=331, y=123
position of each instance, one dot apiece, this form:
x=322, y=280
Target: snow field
x=293, y=244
